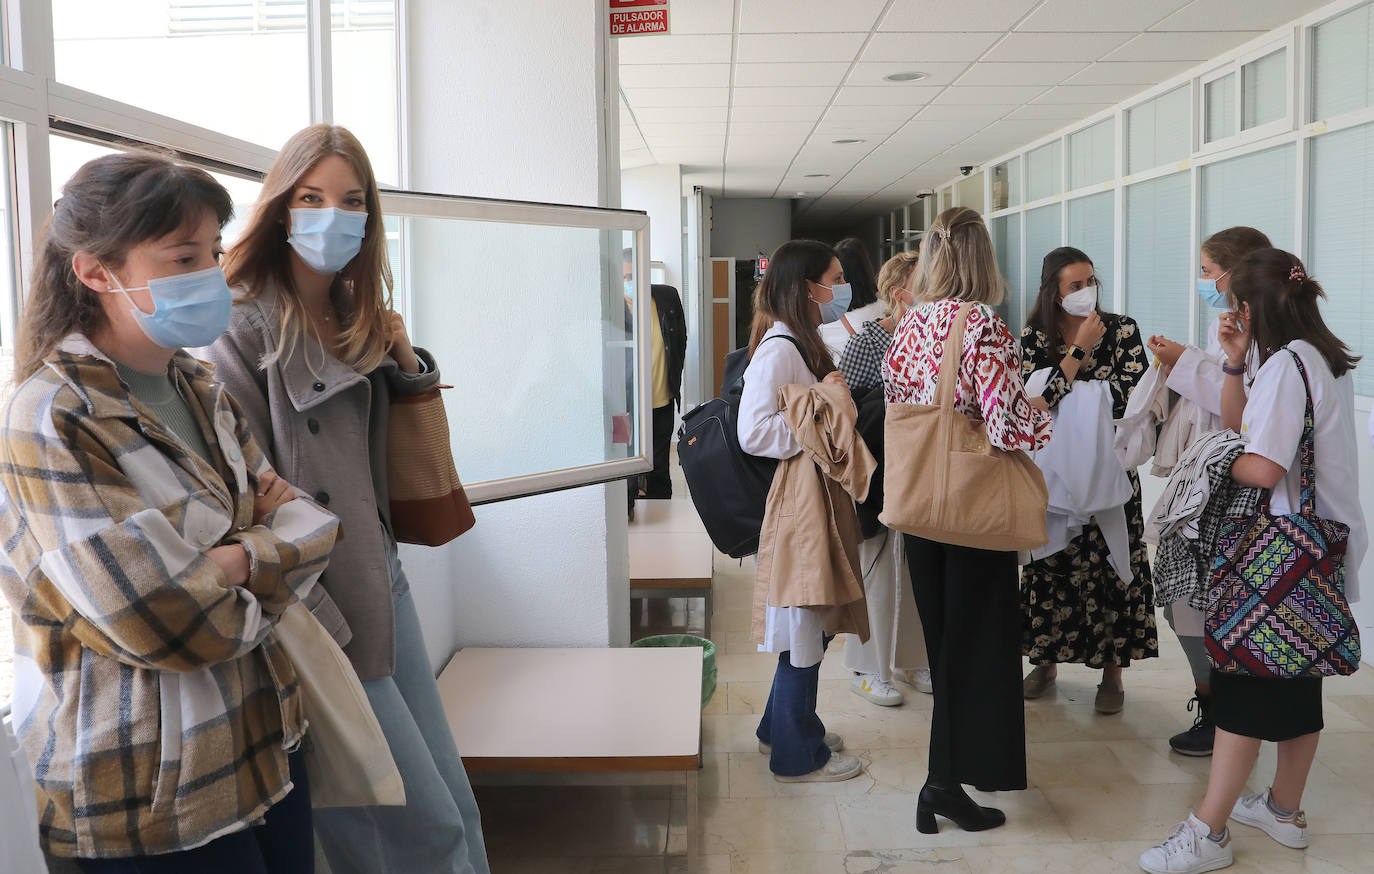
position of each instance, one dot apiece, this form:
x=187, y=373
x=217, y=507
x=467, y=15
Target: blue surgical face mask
x=834, y=309
x=189, y=309
x=1214, y=296
x=328, y=238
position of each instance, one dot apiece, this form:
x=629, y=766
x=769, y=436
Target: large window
x=1159, y=131
x=1044, y=171
x=1219, y=103
x=363, y=46
x=1340, y=237
x=1006, y=184
x=1343, y=63
x=969, y=192
x=1006, y=240
x=1264, y=90
x=1092, y=228
x=1158, y=254
x=1092, y=154
x=1044, y=234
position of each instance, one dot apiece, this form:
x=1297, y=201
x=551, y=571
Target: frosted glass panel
x=1044, y=174
x=1159, y=255
x=1341, y=238
x=1006, y=184
x=1220, y=100
x=1158, y=132
x=1264, y=83
x=1092, y=154
x=1343, y=63
x=1256, y=190
x=1006, y=239
x=1092, y=228
x=1043, y=235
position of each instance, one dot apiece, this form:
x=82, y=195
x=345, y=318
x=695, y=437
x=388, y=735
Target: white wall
x=742, y=227
x=511, y=101
x=657, y=189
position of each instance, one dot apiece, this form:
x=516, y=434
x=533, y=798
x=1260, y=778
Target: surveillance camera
x=925, y=192
x=966, y=170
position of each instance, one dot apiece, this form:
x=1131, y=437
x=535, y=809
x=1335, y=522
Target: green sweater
x=159, y=392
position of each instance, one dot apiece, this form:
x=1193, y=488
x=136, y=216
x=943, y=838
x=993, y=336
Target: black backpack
x=729, y=487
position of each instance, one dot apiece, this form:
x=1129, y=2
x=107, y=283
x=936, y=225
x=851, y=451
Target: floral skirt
x=1076, y=609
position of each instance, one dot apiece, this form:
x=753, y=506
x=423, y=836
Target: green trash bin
x=708, y=659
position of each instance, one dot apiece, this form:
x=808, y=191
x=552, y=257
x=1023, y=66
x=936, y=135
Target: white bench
x=671, y=555
x=580, y=711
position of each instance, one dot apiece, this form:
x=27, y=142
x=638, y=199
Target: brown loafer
x=1037, y=682
x=1109, y=699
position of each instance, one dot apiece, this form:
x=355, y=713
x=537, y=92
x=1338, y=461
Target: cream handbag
x=347, y=755
x=945, y=481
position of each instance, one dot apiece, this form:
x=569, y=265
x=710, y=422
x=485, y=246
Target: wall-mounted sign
x=638, y=17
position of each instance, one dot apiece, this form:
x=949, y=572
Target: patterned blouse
x=1119, y=359
x=861, y=363
x=990, y=388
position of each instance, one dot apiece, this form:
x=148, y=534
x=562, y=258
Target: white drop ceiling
x=750, y=95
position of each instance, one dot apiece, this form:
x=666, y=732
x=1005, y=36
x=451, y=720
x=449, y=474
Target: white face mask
x=1082, y=302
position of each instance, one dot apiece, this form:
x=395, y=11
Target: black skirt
x=1265, y=708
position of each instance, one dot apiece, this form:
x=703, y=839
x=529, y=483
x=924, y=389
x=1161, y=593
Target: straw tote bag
x=428, y=504
x=946, y=482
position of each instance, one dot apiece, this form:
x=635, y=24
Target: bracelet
x=1227, y=369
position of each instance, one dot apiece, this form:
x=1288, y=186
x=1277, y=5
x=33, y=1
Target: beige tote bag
x=945, y=481
x=347, y=755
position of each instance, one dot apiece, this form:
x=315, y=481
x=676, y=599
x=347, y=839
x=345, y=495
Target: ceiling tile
x=868, y=113
x=872, y=73
x=1019, y=94
x=637, y=158
x=675, y=76
x=783, y=16
x=1180, y=46
x=1238, y=14
x=791, y=96
x=971, y=15
x=873, y=96
x=1129, y=73
x=1089, y=94
x=745, y=128
x=869, y=130
x=680, y=114
x=1060, y=111
x=785, y=75
x=970, y=112
x=698, y=16
x=1055, y=46
x=651, y=97
x=676, y=49
x=1022, y=73
x=931, y=48
x=683, y=128
x=1099, y=15
x=774, y=113
x=752, y=48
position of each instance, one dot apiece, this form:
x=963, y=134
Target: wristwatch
x=1077, y=353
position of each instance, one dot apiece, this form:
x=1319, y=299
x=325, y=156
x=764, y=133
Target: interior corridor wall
x=509, y=100
x=657, y=189
x=742, y=227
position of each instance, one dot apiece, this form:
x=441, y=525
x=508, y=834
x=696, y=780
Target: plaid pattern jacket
x=154, y=703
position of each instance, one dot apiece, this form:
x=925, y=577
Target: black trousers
x=970, y=606
x=658, y=483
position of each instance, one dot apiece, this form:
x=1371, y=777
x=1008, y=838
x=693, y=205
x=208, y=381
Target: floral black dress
x=1076, y=608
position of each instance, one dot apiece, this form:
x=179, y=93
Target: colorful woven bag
x=1277, y=604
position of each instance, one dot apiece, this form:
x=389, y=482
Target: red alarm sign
x=638, y=17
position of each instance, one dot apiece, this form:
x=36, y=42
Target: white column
x=516, y=100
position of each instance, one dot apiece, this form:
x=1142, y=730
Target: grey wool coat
x=326, y=433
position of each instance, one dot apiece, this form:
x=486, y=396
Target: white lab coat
x=1198, y=377
x=19, y=853
x=1272, y=426
x=836, y=335
x=896, y=640
x=1085, y=479
x=763, y=431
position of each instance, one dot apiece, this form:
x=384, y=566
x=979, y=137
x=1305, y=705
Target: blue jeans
x=790, y=722
x=439, y=830
x=283, y=844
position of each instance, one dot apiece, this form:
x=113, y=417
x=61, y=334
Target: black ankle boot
x=1197, y=741
x=955, y=805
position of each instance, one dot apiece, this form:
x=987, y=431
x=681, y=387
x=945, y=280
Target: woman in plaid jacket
x=149, y=548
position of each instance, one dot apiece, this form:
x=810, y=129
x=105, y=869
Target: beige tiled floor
x=1103, y=788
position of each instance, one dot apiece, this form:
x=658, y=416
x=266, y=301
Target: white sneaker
x=1188, y=850
x=832, y=740
x=1253, y=810
x=921, y=681
x=875, y=690
x=837, y=769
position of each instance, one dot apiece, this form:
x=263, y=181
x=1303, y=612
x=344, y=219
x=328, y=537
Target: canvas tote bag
x=428, y=504
x=945, y=481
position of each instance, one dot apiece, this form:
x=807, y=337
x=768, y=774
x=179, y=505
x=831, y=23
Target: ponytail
x=1284, y=307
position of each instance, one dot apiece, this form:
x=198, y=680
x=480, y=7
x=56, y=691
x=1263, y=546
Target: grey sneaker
x=1109, y=699
x=837, y=769
x=1037, y=682
x=832, y=740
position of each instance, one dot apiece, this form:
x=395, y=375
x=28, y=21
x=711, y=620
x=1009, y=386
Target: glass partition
x=533, y=313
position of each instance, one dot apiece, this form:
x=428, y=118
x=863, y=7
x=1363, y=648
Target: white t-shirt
x=836, y=335
x=1272, y=426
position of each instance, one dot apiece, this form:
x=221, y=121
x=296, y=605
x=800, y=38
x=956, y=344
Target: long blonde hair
x=957, y=261
x=361, y=291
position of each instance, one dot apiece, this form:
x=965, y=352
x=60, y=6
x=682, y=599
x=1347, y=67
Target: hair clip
x=1296, y=274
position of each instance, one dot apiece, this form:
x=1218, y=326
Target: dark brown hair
x=1044, y=315
x=1283, y=307
x=858, y=271
x=108, y=207
x=782, y=296
x=1229, y=246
